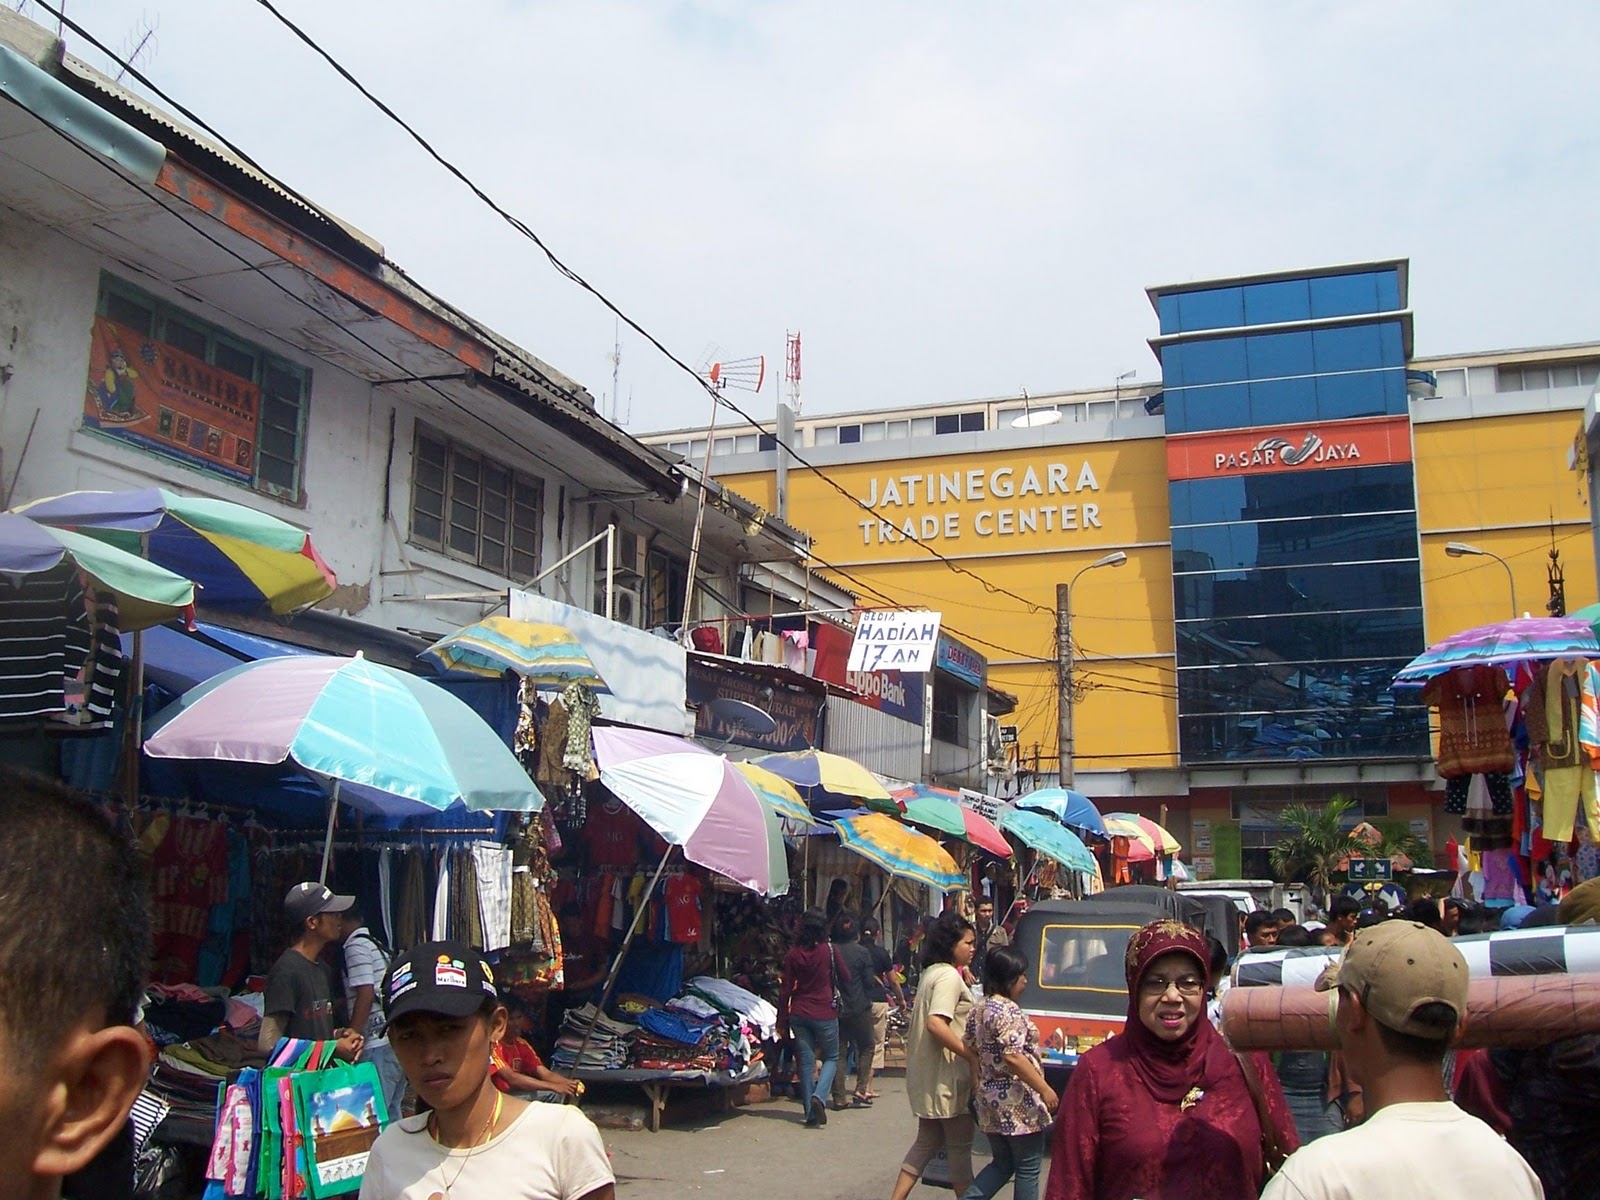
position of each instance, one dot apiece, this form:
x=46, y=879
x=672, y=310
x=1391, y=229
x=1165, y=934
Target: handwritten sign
x=894, y=640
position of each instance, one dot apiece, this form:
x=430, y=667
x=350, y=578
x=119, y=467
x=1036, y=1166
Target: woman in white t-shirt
x=444, y=1016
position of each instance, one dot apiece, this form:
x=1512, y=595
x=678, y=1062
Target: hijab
x=1200, y=1057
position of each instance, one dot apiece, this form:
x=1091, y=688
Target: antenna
x=615, y=358
x=740, y=374
x=142, y=39
x=792, y=367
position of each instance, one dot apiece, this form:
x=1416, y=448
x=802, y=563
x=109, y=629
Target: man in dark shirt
x=855, y=1011
x=299, y=995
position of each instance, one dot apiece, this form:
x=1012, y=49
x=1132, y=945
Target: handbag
x=1272, y=1153
x=340, y=1112
x=833, y=978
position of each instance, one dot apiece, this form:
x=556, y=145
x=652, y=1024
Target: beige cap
x=1398, y=966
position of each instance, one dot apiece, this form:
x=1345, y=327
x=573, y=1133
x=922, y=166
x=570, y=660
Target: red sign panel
x=1314, y=446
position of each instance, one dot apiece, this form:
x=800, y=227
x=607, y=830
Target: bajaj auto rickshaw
x=1077, y=991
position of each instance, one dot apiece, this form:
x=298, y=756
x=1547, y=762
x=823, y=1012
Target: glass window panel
x=284, y=414
x=849, y=435
x=278, y=443
x=1332, y=492
x=1350, y=348
x=1271, y=303
x=1298, y=736
x=766, y=441
x=1387, y=285
x=922, y=426
x=464, y=540
x=1344, y=295
x=1351, y=395
x=897, y=429
x=947, y=423
x=430, y=449
x=1215, y=360
x=723, y=445
x=1588, y=372
x=1172, y=365
x=275, y=472
x=234, y=360
x=425, y=526
x=1451, y=383
x=124, y=310
x=1292, y=637
x=1309, y=541
x=744, y=443
x=872, y=431
x=1508, y=379
x=185, y=337
x=1276, y=355
x=1218, y=308
x=826, y=435
x=1392, y=342
x=972, y=422
x=1302, y=589
x=1280, y=401
x=1564, y=375
x=1222, y=406
x=1167, y=310
x=1176, y=409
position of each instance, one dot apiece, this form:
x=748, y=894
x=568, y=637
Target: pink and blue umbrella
x=1521, y=639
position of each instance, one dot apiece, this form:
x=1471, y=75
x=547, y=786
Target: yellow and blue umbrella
x=777, y=794
x=242, y=559
x=821, y=775
x=901, y=851
x=542, y=653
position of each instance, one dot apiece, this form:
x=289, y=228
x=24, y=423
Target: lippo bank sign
x=1376, y=441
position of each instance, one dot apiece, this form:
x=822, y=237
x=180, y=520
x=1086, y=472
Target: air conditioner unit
x=627, y=608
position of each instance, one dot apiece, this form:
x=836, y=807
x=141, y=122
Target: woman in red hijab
x=1162, y=1111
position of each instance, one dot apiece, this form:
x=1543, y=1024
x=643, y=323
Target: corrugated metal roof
x=77, y=71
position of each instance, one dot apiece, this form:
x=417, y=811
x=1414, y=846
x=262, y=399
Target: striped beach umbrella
x=901, y=851
x=545, y=654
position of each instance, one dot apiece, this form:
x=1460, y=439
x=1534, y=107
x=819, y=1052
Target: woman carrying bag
x=1015, y=1105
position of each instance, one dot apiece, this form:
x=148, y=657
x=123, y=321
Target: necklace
x=476, y=1145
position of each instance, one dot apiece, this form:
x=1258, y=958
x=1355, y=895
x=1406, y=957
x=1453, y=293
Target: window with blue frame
x=1278, y=301
x=1201, y=595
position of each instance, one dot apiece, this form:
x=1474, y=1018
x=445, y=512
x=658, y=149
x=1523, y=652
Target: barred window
x=471, y=507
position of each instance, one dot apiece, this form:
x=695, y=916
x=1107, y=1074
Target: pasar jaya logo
x=1275, y=451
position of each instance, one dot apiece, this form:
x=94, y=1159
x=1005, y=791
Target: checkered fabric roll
x=1562, y=951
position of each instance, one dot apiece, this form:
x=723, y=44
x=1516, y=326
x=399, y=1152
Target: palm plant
x=1316, y=845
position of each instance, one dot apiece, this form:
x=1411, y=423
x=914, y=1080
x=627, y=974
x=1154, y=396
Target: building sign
x=798, y=712
x=899, y=695
x=1052, y=497
x=894, y=640
x=966, y=665
x=157, y=397
x=1368, y=442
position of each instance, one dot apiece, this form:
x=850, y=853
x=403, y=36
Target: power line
x=567, y=272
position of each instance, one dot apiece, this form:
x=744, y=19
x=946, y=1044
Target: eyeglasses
x=1187, y=985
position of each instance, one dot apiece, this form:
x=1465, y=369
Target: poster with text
x=158, y=398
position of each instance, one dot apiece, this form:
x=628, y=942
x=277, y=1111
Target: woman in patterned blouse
x=1015, y=1104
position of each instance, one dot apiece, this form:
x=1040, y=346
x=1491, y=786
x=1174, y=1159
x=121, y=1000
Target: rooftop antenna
x=615, y=358
x=1030, y=419
x=137, y=43
x=1120, y=378
x=742, y=375
x=791, y=358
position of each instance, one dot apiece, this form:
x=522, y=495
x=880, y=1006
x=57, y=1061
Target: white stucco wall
x=48, y=289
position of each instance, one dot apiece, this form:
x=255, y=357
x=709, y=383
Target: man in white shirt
x=365, y=964
x=1402, y=1003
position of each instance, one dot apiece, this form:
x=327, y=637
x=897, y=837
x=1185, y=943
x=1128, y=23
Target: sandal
x=869, y=1097
x=860, y=1102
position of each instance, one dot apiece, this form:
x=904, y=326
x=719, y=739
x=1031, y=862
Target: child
x=73, y=957
x=519, y=1069
x=444, y=1016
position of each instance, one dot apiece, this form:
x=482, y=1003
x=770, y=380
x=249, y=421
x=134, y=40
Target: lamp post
x=1064, y=660
x=1467, y=550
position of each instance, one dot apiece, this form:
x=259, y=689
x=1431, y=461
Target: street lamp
x=1064, y=660
x=1467, y=550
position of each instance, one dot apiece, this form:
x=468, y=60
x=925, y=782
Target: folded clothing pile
x=608, y=1041
x=176, y=1013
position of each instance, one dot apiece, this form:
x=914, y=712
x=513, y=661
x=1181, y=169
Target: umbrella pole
x=622, y=954
x=1034, y=870
x=327, y=842
x=133, y=735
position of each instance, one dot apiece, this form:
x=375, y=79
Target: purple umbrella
x=1522, y=639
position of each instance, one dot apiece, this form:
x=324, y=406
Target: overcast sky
x=948, y=200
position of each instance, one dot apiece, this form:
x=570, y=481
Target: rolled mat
x=1517, y=1011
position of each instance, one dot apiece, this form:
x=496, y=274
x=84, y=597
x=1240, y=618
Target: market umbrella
x=697, y=800
x=777, y=794
x=242, y=559
x=146, y=594
x=1072, y=809
x=882, y=840
x=542, y=653
x=387, y=742
x=1161, y=842
x=1049, y=838
x=1517, y=640
x=936, y=808
x=833, y=774
x=1141, y=842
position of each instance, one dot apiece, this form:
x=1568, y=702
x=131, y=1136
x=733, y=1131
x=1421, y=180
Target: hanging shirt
x=1473, y=738
x=683, y=909
x=612, y=832
x=44, y=639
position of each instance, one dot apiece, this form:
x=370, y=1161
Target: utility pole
x=1064, y=682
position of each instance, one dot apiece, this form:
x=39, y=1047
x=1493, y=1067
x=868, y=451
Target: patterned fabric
x=1006, y=1105
x=1473, y=738
x=582, y=708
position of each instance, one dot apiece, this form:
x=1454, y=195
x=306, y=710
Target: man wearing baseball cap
x=299, y=996
x=478, y=1143
x=1402, y=1003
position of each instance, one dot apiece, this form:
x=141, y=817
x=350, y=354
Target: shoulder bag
x=1272, y=1152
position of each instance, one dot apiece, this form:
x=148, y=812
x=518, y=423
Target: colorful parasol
x=900, y=851
x=545, y=654
x=242, y=559
x=1072, y=809
x=1049, y=837
x=815, y=771
x=1158, y=839
x=941, y=809
x=146, y=594
x=777, y=794
x=1522, y=639
x=1141, y=845
x=397, y=744
x=697, y=800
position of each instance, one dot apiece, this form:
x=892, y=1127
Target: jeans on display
x=815, y=1040
x=1021, y=1155
x=389, y=1072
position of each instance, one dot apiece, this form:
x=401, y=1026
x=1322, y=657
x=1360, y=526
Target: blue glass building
x=1297, y=587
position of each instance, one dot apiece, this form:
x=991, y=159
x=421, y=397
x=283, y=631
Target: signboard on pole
x=895, y=640
x=1370, y=870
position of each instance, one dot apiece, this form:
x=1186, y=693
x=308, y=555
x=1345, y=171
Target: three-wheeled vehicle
x=1077, y=991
